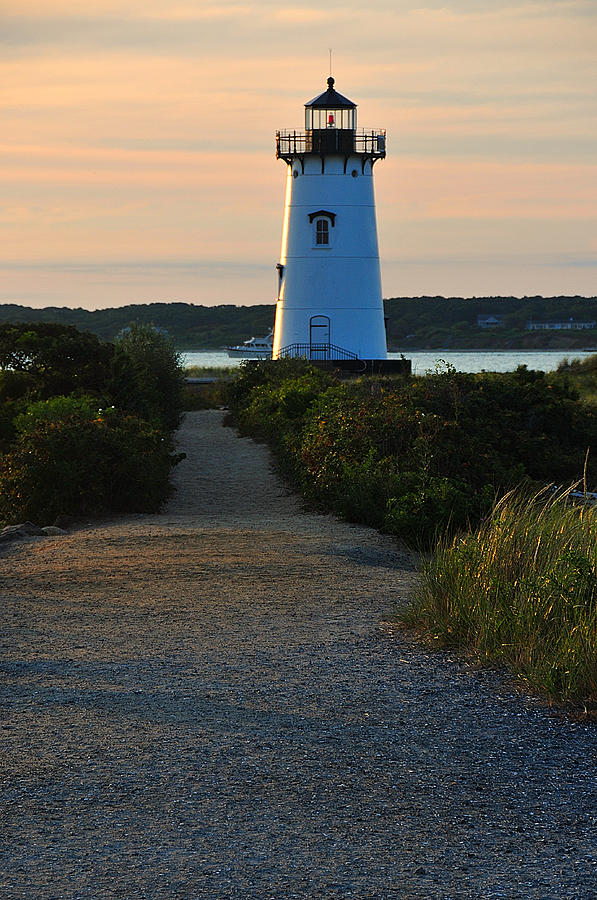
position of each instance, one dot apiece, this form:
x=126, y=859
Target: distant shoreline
x=407, y=350
x=427, y=324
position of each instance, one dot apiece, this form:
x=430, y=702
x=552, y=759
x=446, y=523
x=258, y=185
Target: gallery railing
x=370, y=144
x=315, y=351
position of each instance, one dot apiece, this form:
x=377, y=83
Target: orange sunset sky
x=137, y=151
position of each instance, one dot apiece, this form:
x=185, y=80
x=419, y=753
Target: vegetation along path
x=207, y=703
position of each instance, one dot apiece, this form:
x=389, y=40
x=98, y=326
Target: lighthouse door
x=319, y=337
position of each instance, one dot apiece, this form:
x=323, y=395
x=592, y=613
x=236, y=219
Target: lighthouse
x=329, y=303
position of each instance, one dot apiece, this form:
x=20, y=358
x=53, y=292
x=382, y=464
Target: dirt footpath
x=207, y=703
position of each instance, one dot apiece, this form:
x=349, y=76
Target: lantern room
x=330, y=110
x=330, y=122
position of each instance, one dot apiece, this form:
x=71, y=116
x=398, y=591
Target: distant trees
x=418, y=322
x=190, y=327
x=451, y=322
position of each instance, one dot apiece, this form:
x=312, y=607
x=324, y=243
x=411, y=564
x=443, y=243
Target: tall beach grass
x=210, y=395
x=521, y=592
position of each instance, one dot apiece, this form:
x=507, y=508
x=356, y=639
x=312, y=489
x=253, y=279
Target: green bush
x=62, y=453
x=56, y=410
x=147, y=376
x=15, y=387
x=269, y=373
x=69, y=459
x=582, y=374
x=377, y=462
x=426, y=506
x=522, y=592
x=415, y=457
x=275, y=410
x=57, y=359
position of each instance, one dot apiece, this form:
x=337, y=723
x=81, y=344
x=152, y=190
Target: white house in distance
x=565, y=325
x=329, y=302
x=490, y=321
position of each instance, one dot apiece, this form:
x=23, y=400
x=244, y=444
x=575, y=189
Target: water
x=425, y=360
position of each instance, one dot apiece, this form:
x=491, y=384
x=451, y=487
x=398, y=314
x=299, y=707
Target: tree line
x=412, y=322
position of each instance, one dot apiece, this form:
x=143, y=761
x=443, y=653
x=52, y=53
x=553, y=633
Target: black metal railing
x=331, y=140
x=315, y=351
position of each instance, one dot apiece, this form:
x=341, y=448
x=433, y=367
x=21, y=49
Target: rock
x=24, y=529
x=10, y=533
x=53, y=529
x=30, y=528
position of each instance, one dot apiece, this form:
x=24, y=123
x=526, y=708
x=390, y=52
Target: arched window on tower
x=322, y=232
x=322, y=221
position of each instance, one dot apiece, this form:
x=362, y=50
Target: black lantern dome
x=331, y=110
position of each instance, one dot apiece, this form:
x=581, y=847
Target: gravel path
x=207, y=703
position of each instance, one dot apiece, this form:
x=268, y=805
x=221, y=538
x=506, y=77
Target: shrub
x=58, y=359
x=419, y=456
x=275, y=410
x=15, y=385
x=72, y=460
x=14, y=390
x=56, y=410
x=582, y=374
x=270, y=373
x=61, y=454
x=147, y=376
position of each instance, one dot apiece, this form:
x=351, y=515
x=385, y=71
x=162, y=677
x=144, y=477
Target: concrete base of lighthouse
x=357, y=367
x=365, y=366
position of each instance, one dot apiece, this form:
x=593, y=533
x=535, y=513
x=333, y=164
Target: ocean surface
x=428, y=360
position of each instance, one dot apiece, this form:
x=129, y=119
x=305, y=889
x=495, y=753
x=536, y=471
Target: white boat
x=254, y=348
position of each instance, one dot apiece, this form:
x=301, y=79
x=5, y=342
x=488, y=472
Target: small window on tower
x=322, y=233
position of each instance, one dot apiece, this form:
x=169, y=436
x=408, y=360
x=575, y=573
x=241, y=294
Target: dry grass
x=521, y=592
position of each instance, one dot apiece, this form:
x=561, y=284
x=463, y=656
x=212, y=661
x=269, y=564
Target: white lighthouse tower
x=329, y=298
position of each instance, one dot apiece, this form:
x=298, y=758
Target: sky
x=137, y=153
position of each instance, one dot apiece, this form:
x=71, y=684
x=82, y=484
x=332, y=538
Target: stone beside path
x=28, y=529
x=211, y=703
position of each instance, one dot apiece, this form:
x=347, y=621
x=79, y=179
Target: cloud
x=303, y=15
